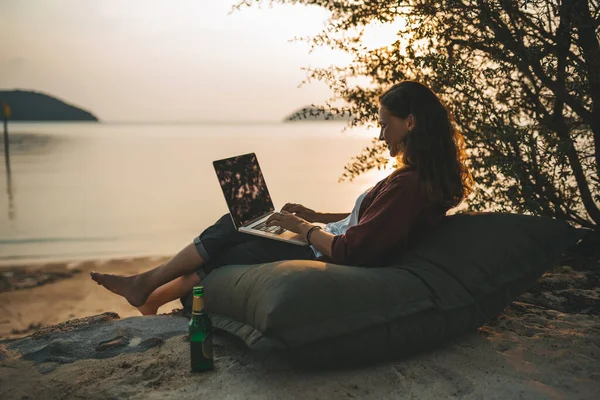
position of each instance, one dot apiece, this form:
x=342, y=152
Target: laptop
x=248, y=198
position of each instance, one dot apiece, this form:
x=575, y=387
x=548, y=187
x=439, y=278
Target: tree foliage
x=522, y=79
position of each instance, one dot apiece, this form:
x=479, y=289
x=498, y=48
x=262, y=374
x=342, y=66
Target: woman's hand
x=301, y=211
x=288, y=221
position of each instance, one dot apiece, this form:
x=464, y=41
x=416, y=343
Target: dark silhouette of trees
x=34, y=106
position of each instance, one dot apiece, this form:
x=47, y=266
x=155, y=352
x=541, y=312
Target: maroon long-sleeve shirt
x=392, y=217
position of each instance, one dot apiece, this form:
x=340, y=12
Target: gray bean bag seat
x=456, y=280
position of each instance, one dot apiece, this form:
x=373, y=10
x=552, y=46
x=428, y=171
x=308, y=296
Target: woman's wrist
x=305, y=228
x=310, y=232
x=319, y=238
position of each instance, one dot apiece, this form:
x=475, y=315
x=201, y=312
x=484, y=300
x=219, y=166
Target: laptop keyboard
x=276, y=230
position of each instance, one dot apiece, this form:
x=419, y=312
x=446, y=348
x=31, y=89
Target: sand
x=66, y=298
x=546, y=345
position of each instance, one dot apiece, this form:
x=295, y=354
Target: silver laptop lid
x=244, y=188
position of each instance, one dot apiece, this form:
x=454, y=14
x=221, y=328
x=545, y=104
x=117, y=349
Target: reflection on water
x=22, y=144
x=244, y=188
x=11, y=204
x=28, y=143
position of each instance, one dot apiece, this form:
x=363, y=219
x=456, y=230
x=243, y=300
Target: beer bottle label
x=198, y=305
x=207, y=347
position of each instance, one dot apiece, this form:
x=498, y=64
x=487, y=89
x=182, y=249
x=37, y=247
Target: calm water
x=83, y=190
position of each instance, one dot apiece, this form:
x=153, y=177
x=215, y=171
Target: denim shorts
x=221, y=244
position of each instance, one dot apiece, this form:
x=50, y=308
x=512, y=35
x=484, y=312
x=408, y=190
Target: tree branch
x=523, y=54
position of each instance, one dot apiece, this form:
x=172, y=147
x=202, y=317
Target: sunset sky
x=142, y=60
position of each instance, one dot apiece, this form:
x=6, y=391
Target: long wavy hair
x=435, y=148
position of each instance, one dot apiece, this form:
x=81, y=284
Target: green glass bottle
x=200, y=329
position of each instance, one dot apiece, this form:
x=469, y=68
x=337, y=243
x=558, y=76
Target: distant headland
x=310, y=113
x=35, y=106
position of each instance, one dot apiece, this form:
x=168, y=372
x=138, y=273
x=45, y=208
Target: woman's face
x=394, y=130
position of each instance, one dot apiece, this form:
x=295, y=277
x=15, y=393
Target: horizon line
x=175, y=122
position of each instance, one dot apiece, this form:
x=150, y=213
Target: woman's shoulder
x=402, y=177
x=396, y=181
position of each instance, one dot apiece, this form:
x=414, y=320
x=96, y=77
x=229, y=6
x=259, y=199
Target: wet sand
x=49, y=293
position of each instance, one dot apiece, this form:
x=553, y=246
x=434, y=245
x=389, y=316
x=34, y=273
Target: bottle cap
x=198, y=290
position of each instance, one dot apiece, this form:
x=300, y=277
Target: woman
x=387, y=219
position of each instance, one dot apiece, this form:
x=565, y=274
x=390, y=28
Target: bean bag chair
x=458, y=278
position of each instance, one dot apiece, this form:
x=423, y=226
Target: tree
x=522, y=79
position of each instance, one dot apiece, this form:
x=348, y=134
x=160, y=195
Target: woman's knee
x=221, y=235
x=224, y=225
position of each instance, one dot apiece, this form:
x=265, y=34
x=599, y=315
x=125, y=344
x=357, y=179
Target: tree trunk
x=588, y=41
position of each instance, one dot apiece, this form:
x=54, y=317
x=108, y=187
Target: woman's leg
x=137, y=288
x=168, y=292
x=214, y=240
x=255, y=251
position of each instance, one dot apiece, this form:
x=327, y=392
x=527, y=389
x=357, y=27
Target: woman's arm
x=318, y=238
x=326, y=218
x=311, y=215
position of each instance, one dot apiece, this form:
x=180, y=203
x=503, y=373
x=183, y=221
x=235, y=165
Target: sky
x=147, y=60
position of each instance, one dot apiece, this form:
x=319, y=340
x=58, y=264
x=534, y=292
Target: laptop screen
x=244, y=188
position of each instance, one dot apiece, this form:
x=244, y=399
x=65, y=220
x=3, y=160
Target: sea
x=106, y=190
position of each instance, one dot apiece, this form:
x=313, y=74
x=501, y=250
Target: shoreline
x=54, y=292
x=40, y=272
x=45, y=261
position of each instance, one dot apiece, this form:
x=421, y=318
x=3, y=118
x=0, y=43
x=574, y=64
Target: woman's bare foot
x=126, y=286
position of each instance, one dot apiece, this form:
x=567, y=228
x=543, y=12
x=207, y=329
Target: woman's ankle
x=148, y=309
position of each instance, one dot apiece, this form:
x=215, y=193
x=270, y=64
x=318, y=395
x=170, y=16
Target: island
x=310, y=113
x=35, y=106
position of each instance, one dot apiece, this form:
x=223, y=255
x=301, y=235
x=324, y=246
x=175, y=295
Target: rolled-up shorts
x=221, y=244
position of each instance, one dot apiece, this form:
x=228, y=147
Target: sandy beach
x=546, y=345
